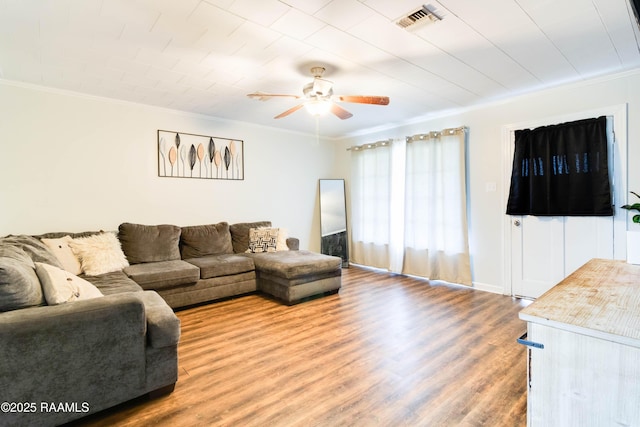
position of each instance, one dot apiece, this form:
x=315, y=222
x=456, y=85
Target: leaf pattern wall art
x=186, y=155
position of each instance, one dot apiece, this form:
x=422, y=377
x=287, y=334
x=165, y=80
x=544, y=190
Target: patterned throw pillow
x=263, y=240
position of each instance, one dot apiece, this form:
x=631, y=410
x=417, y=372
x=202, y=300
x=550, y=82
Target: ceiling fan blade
x=340, y=112
x=263, y=96
x=289, y=111
x=377, y=100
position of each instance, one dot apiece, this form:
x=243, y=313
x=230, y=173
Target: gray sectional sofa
x=91, y=354
x=196, y=264
x=62, y=362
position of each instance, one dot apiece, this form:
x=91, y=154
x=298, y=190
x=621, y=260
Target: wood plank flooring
x=387, y=350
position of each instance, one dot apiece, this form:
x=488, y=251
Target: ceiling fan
x=319, y=98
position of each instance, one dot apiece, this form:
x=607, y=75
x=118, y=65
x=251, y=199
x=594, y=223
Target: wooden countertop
x=600, y=299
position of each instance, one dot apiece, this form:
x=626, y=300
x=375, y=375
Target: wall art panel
x=185, y=155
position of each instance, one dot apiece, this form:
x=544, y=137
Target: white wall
x=72, y=163
x=486, y=152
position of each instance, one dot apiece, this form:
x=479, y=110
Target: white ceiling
x=204, y=56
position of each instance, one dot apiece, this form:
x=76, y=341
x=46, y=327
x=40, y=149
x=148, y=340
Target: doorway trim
x=619, y=114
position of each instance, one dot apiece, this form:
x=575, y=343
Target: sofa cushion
x=295, y=264
x=33, y=247
x=17, y=253
x=99, y=253
x=149, y=243
x=59, y=286
x=163, y=274
x=115, y=282
x=240, y=234
x=222, y=265
x=201, y=240
x=19, y=284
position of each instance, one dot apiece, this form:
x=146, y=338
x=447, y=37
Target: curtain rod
x=436, y=134
x=418, y=137
x=382, y=143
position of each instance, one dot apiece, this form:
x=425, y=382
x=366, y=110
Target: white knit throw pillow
x=99, y=253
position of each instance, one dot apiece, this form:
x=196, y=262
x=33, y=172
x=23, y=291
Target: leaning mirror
x=333, y=219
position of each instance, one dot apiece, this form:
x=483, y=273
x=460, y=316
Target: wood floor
x=387, y=350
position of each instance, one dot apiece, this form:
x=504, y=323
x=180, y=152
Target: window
x=409, y=206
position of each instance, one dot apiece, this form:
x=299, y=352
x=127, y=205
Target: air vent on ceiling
x=425, y=14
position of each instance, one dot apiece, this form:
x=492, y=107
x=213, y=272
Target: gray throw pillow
x=149, y=243
x=19, y=284
x=240, y=234
x=200, y=240
x=33, y=247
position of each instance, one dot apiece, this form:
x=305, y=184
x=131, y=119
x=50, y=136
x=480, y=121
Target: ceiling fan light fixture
x=319, y=98
x=318, y=107
x=322, y=87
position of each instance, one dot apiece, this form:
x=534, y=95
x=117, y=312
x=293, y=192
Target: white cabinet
x=588, y=371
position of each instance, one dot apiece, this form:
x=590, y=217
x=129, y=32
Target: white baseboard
x=488, y=288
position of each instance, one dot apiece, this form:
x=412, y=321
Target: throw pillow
x=149, y=243
x=99, y=254
x=281, y=245
x=60, y=286
x=33, y=247
x=263, y=240
x=19, y=285
x=282, y=240
x=62, y=251
x=200, y=240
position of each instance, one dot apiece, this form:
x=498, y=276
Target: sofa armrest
x=74, y=352
x=163, y=326
x=293, y=243
x=123, y=311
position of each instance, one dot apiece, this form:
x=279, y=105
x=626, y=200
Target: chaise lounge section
x=296, y=276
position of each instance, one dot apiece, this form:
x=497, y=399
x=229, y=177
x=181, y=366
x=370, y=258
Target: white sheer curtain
x=371, y=204
x=408, y=203
x=436, y=236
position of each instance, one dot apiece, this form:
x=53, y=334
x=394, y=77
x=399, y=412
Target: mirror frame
x=334, y=236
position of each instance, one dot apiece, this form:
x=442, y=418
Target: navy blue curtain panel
x=561, y=170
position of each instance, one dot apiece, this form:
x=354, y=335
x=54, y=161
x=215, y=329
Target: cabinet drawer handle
x=522, y=340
